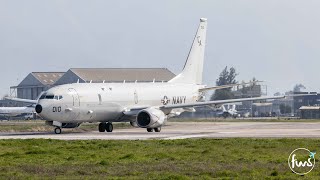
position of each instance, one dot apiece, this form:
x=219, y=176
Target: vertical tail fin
x=223, y=108
x=193, y=68
x=234, y=107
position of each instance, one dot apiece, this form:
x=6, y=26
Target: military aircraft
x=229, y=111
x=26, y=112
x=144, y=105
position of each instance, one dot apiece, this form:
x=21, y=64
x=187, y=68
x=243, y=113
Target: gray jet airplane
x=144, y=105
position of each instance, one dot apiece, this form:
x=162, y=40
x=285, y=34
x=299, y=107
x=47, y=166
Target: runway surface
x=185, y=130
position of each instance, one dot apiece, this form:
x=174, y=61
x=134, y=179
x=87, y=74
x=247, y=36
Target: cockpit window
x=49, y=96
x=43, y=96
x=57, y=97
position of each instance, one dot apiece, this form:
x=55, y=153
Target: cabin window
x=60, y=97
x=56, y=97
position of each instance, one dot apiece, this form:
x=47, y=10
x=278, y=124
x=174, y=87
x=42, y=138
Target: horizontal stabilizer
x=226, y=86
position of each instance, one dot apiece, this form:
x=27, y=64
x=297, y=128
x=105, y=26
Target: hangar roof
x=121, y=74
x=262, y=104
x=309, y=108
x=47, y=78
x=40, y=79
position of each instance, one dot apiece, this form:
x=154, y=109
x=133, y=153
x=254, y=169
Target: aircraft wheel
x=157, y=129
x=149, y=129
x=57, y=130
x=102, y=127
x=109, y=127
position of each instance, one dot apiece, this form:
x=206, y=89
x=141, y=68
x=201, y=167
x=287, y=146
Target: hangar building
x=36, y=82
x=115, y=75
x=310, y=112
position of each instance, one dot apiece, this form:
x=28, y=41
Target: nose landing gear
x=57, y=130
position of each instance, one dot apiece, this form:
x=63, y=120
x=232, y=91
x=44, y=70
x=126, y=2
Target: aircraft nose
x=38, y=108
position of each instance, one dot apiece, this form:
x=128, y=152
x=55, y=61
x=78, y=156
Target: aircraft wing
x=23, y=100
x=221, y=102
x=218, y=102
x=135, y=111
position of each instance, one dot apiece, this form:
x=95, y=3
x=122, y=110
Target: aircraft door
x=135, y=97
x=75, y=103
x=75, y=96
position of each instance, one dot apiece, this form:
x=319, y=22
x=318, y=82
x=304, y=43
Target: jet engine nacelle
x=151, y=118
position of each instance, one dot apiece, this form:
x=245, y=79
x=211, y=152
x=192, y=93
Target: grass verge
x=237, y=158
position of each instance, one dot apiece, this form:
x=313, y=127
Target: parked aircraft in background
x=144, y=105
x=24, y=112
x=230, y=111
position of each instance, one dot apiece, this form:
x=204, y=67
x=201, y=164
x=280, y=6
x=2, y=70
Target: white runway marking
x=185, y=137
x=227, y=132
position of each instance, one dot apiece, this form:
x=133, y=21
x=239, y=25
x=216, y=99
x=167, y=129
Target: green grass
x=237, y=158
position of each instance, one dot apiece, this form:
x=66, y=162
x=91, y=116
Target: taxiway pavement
x=185, y=130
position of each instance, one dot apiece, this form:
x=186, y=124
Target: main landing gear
x=105, y=127
x=158, y=129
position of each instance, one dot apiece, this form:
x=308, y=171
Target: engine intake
x=151, y=118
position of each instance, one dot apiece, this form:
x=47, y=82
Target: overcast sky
x=276, y=41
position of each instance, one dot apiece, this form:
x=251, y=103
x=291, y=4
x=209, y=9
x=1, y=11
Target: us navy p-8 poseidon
x=144, y=105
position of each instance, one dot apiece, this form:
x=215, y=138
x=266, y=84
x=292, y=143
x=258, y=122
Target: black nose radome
x=38, y=108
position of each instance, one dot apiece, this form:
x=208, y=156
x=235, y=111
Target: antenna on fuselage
x=104, y=81
x=136, y=81
x=124, y=81
x=90, y=81
x=154, y=80
x=78, y=81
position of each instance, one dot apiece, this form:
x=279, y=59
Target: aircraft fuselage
x=102, y=102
